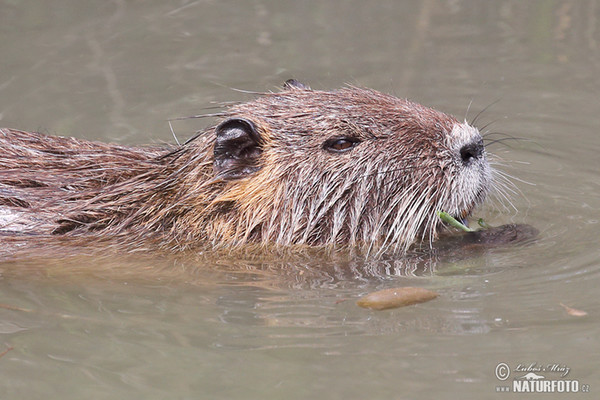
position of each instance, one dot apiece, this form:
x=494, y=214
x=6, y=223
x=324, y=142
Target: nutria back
x=351, y=167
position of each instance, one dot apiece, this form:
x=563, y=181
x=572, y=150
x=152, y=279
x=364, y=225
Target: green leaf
x=450, y=220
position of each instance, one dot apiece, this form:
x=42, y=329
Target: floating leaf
x=573, y=311
x=397, y=297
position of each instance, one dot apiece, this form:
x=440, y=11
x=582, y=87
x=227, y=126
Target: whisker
x=501, y=141
x=174, y=135
x=252, y=92
x=468, y=109
x=474, y=121
x=504, y=140
x=507, y=175
x=499, y=192
x=483, y=128
x=495, y=133
x=208, y=115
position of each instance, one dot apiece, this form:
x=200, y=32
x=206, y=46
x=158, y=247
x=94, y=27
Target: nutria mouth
x=351, y=167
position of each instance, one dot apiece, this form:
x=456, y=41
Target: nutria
x=350, y=167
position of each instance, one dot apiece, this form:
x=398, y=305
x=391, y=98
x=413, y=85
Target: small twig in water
x=14, y=308
x=8, y=348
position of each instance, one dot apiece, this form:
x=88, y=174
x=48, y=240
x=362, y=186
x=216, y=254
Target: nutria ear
x=237, y=149
x=294, y=84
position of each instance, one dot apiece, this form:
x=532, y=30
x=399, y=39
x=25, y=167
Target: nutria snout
x=351, y=167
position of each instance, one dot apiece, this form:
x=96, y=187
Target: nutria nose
x=471, y=151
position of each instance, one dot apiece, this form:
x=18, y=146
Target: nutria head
x=351, y=167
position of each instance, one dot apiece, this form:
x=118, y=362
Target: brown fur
x=382, y=193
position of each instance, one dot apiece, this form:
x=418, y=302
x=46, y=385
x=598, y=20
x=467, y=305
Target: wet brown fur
x=382, y=193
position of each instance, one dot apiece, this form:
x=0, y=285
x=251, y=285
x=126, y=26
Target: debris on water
x=14, y=308
x=396, y=297
x=573, y=311
x=483, y=224
x=8, y=348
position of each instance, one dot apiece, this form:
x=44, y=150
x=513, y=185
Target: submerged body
x=352, y=167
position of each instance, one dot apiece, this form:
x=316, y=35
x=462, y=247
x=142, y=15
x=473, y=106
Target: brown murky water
x=200, y=327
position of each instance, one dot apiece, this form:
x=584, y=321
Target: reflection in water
x=305, y=300
x=302, y=267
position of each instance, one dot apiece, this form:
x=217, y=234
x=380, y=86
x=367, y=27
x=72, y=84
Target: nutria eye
x=340, y=145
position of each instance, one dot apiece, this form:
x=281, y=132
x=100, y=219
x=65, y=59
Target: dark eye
x=340, y=145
